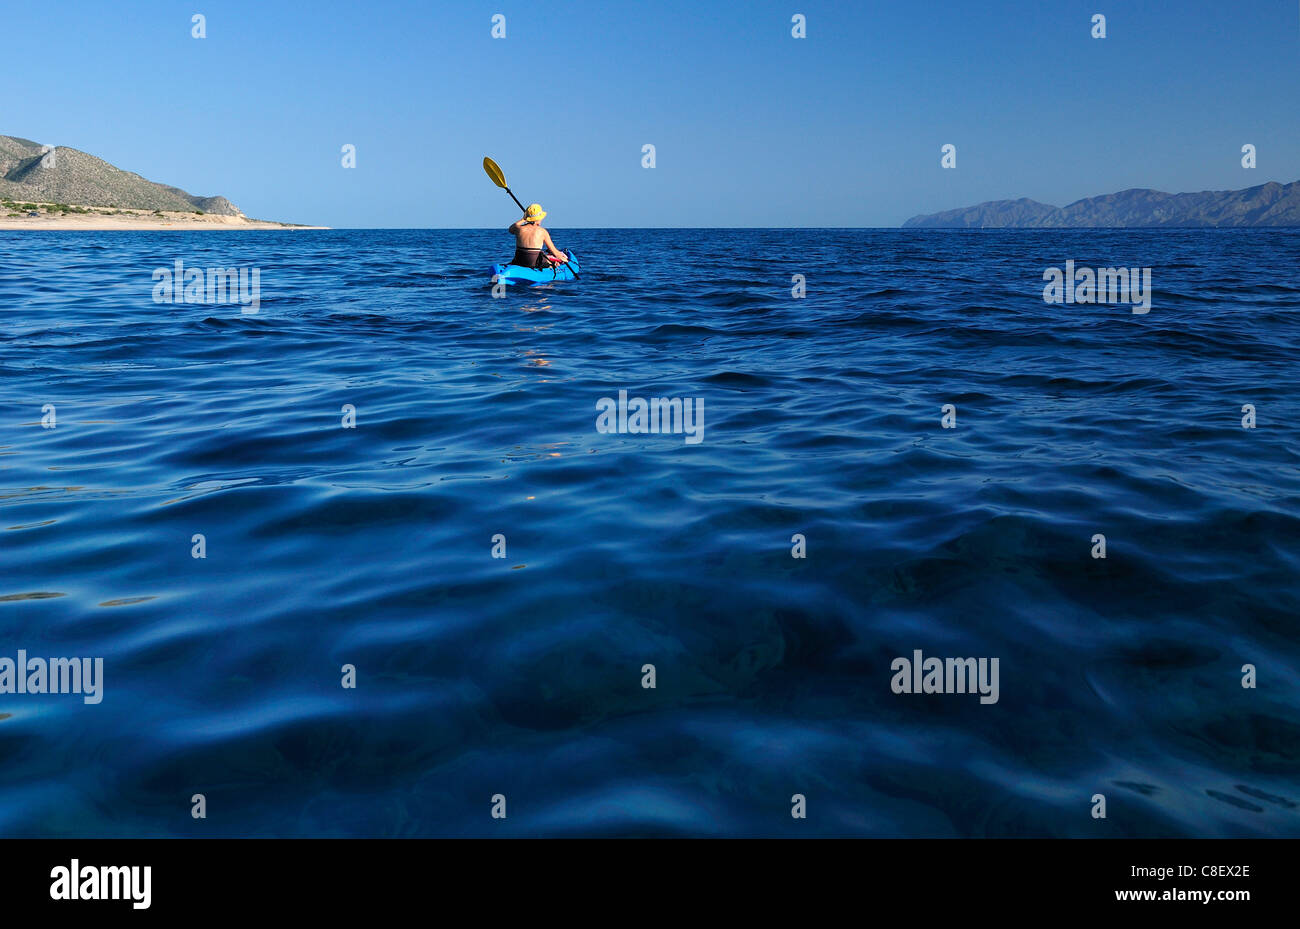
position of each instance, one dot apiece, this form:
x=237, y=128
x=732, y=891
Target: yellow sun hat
x=534, y=213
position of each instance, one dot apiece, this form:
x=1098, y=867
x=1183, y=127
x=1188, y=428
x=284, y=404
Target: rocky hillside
x=67, y=175
x=1270, y=204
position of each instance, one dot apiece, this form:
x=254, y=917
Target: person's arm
x=560, y=256
x=514, y=227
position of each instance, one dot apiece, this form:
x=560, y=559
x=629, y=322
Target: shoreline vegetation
x=55, y=187
x=16, y=214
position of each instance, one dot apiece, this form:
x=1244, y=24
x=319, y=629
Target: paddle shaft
x=516, y=199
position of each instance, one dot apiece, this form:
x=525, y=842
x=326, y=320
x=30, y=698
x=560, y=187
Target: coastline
x=142, y=221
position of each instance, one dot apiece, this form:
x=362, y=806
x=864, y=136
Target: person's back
x=532, y=241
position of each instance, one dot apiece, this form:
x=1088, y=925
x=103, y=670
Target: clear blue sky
x=752, y=127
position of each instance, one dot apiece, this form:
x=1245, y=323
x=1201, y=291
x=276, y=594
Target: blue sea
x=349, y=459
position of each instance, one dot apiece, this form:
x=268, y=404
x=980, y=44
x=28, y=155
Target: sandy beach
x=140, y=221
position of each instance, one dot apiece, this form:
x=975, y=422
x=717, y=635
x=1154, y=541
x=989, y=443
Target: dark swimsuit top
x=527, y=257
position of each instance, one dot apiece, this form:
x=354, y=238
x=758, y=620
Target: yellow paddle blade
x=494, y=172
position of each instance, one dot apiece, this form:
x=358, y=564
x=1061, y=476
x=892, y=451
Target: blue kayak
x=514, y=274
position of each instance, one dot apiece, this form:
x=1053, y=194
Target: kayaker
x=532, y=242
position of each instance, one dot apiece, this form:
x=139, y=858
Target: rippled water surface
x=522, y=676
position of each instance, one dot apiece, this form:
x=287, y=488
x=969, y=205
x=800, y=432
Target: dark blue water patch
x=350, y=453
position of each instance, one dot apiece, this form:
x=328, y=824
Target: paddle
x=499, y=178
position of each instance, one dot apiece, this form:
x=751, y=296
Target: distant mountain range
x=66, y=175
x=1270, y=204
